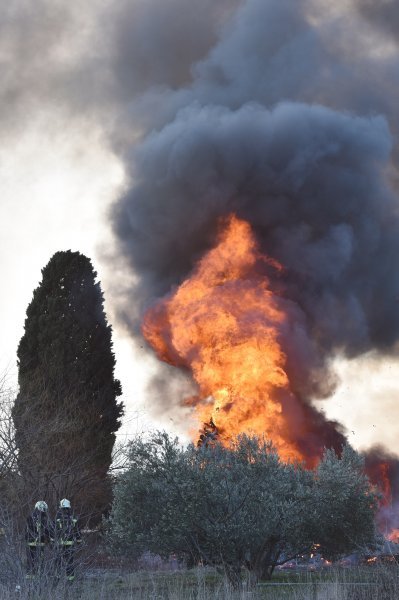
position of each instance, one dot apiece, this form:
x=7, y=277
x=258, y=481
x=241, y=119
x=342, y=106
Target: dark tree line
x=67, y=410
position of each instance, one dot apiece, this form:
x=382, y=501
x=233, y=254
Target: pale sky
x=58, y=177
x=55, y=190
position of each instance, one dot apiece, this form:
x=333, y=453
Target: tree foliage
x=239, y=506
x=66, y=412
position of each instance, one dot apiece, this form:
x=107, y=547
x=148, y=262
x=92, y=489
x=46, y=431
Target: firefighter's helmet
x=41, y=505
x=65, y=503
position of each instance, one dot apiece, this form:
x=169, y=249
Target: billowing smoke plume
x=383, y=14
x=250, y=135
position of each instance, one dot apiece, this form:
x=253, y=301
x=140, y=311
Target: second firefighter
x=67, y=535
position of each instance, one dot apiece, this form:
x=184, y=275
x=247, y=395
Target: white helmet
x=41, y=505
x=65, y=503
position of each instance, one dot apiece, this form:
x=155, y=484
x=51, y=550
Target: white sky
x=57, y=180
x=55, y=191
x=52, y=197
x=54, y=194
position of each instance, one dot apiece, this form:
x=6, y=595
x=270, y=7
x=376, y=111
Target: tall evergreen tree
x=66, y=412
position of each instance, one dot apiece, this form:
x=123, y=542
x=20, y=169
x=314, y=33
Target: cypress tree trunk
x=66, y=413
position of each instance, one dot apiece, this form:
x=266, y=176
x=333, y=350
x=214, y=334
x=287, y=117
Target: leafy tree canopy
x=239, y=506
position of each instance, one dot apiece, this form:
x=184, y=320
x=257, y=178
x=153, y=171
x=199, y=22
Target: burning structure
x=262, y=228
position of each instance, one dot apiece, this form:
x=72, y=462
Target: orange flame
x=385, y=484
x=379, y=473
x=394, y=536
x=223, y=325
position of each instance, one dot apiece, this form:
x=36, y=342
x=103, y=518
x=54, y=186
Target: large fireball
x=223, y=325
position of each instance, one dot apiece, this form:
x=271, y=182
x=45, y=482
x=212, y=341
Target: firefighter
x=37, y=535
x=67, y=536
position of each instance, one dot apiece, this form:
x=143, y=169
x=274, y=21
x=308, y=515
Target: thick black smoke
x=250, y=135
x=384, y=14
x=154, y=44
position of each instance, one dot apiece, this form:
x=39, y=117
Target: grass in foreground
x=355, y=583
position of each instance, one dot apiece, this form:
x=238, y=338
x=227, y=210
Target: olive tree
x=238, y=506
x=345, y=504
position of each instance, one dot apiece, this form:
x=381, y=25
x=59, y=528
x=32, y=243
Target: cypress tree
x=66, y=412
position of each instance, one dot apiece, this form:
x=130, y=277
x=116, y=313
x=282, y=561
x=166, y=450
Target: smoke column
x=274, y=127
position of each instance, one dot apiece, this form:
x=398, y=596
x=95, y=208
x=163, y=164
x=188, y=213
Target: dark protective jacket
x=38, y=529
x=66, y=528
